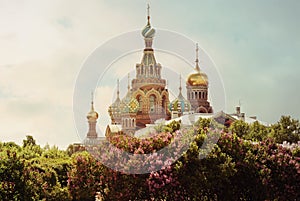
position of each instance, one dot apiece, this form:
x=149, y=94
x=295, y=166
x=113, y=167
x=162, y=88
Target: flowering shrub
x=170, y=164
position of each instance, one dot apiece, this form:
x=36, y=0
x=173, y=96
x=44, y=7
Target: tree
x=29, y=141
x=240, y=128
x=257, y=132
x=286, y=129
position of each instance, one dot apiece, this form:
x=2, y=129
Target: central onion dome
x=148, y=31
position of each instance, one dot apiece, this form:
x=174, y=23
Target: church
x=147, y=98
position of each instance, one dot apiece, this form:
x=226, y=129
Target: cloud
x=44, y=43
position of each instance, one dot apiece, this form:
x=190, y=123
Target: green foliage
x=237, y=168
x=240, y=128
x=173, y=126
x=28, y=173
x=257, y=132
x=12, y=184
x=202, y=123
x=29, y=141
x=286, y=129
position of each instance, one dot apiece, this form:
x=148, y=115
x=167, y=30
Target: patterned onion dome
x=148, y=31
x=129, y=104
x=197, y=79
x=115, y=107
x=180, y=103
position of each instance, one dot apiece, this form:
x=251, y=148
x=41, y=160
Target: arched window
x=139, y=70
x=163, y=104
x=152, y=103
x=140, y=100
x=151, y=70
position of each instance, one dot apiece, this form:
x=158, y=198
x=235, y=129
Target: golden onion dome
x=197, y=79
x=92, y=114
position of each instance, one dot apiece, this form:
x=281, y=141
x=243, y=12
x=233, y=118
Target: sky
x=255, y=46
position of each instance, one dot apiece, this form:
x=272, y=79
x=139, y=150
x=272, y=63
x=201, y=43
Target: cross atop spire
x=92, y=101
x=197, y=58
x=92, y=96
x=118, y=89
x=180, y=88
x=128, y=87
x=148, y=13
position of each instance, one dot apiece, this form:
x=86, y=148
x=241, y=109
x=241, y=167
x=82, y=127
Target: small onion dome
x=115, y=107
x=180, y=104
x=129, y=104
x=197, y=79
x=148, y=31
x=92, y=114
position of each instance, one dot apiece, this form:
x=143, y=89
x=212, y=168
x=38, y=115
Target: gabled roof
x=114, y=128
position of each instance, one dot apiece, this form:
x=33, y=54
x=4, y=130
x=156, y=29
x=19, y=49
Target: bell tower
x=197, y=89
x=92, y=117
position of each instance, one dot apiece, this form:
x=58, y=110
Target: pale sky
x=254, y=44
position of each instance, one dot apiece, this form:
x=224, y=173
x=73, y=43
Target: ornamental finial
x=128, y=87
x=92, y=101
x=118, y=88
x=148, y=14
x=180, y=88
x=197, y=58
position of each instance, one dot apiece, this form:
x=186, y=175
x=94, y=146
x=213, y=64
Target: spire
x=118, y=89
x=148, y=14
x=92, y=101
x=197, y=58
x=180, y=88
x=148, y=31
x=128, y=86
